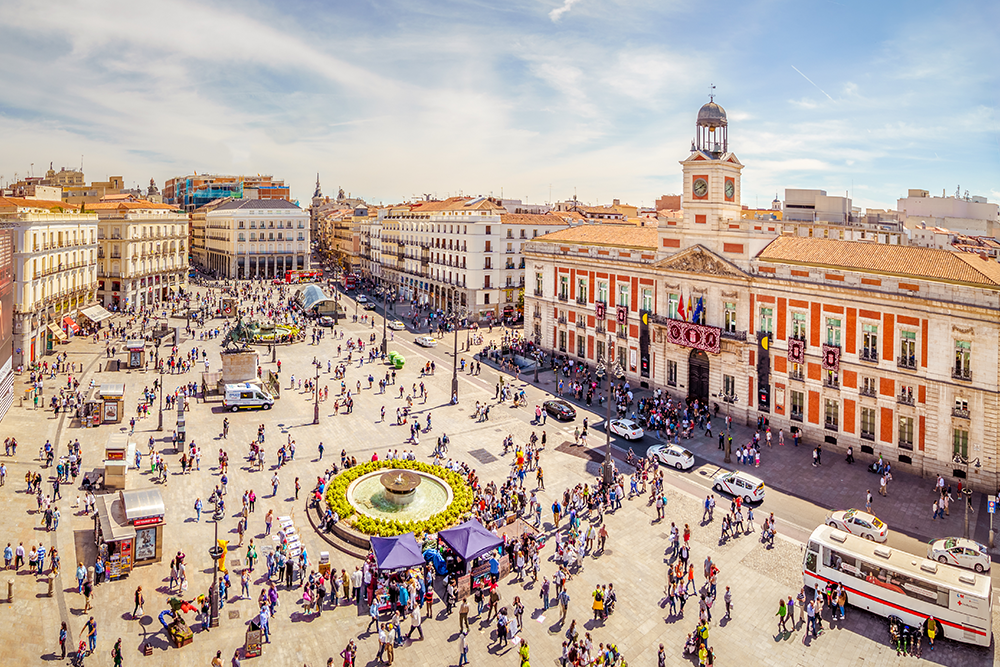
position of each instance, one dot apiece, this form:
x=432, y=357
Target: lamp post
x=215, y=551
x=454, y=374
x=385, y=317
x=608, y=368
x=537, y=363
x=159, y=426
x=966, y=489
x=316, y=397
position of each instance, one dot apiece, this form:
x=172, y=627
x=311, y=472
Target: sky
x=538, y=100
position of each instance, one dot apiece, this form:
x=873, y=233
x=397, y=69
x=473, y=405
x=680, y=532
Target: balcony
x=734, y=335
x=868, y=355
x=537, y=315
x=580, y=324
x=831, y=426
x=962, y=374
x=905, y=444
x=961, y=413
x=600, y=329
x=908, y=362
x=729, y=398
x=868, y=391
x=622, y=335
x=582, y=300
x=905, y=399
x=868, y=435
x=562, y=319
x=796, y=416
x=796, y=375
x=563, y=297
x=831, y=383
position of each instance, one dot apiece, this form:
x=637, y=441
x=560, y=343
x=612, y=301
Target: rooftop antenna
x=550, y=194
x=711, y=94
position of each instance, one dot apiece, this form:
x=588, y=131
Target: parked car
x=426, y=341
x=396, y=325
x=369, y=305
x=560, y=410
x=859, y=523
x=361, y=298
x=326, y=321
x=961, y=552
x=739, y=483
x=674, y=456
x=626, y=428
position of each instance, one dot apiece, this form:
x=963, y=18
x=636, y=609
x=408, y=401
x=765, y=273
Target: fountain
x=400, y=486
x=403, y=495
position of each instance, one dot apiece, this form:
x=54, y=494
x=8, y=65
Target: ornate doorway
x=698, y=376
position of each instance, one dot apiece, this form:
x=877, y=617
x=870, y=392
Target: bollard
x=52, y=584
x=10, y=590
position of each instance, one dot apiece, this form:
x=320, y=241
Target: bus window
x=811, y=561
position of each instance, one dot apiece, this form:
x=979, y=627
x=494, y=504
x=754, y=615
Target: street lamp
x=966, y=489
x=454, y=374
x=385, y=317
x=316, y=396
x=608, y=368
x=160, y=424
x=215, y=551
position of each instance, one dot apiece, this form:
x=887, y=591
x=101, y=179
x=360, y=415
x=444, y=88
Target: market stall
x=393, y=557
x=129, y=529
x=96, y=315
x=112, y=398
x=469, y=547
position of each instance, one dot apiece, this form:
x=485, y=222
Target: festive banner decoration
x=831, y=357
x=622, y=314
x=698, y=336
x=796, y=350
x=600, y=310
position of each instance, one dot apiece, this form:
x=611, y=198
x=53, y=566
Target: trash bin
x=252, y=646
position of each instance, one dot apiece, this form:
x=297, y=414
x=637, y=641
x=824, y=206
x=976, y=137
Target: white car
x=741, y=484
x=396, y=325
x=361, y=298
x=626, y=428
x=672, y=455
x=859, y=523
x=961, y=552
x=426, y=341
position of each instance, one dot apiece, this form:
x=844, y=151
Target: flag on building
x=690, y=309
x=698, y=309
x=680, y=309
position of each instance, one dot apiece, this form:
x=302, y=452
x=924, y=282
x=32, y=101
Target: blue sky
x=392, y=99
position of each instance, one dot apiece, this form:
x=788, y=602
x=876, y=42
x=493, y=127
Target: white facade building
x=248, y=238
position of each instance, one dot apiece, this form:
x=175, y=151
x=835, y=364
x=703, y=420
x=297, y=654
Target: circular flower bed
x=336, y=498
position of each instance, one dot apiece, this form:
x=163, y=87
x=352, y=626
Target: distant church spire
x=318, y=193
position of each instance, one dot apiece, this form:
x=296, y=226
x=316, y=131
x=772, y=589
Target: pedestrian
x=139, y=601
x=463, y=648
x=63, y=632
x=868, y=502
x=728, y=598
x=116, y=653
x=463, y=615
x=881, y=487
x=782, y=615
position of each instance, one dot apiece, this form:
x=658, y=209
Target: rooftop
x=880, y=258
x=457, y=204
x=532, y=219
x=136, y=205
x=251, y=204
x=620, y=235
x=21, y=204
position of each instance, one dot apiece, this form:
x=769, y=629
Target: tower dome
x=711, y=131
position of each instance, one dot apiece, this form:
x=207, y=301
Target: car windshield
x=949, y=543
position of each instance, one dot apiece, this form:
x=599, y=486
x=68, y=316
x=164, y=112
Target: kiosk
x=118, y=452
x=113, y=403
x=129, y=529
x=136, y=353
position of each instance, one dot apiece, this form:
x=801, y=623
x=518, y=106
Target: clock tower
x=711, y=206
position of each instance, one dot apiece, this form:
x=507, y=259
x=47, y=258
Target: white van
x=246, y=395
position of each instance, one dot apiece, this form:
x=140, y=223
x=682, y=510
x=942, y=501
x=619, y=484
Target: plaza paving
x=634, y=559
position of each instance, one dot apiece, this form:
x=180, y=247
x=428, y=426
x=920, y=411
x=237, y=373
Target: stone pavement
x=633, y=561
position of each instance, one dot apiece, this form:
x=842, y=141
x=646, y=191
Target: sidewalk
x=834, y=485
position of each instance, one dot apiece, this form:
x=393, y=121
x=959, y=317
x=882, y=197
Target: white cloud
x=558, y=12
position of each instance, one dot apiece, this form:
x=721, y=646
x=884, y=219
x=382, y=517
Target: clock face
x=730, y=189
x=700, y=187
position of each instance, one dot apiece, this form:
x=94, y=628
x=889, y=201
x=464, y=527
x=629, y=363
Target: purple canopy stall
x=470, y=539
x=397, y=553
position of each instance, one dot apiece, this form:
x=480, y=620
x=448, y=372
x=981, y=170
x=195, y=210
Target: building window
x=623, y=295
x=581, y=290
x=868, y=423
x=960, y=442
x=562, y=341
x=564, y=287
x=729, y=388
x=486, y=297
x=672, y=373
x=766, y=321
x=623, y=356
x=869, y=386
x=581, y=346
x=729, y=317
x=908, y=349
x=798, y=400
x=600, y=350
x=539, y=282
x=963, y=359
x=647, y=299
x=906, y=432
x=831, y=379
x=832, y=414
x=906, y=394
x=602, y=292
x=242, y=236
x=832, y=331
x=673, y=301
x=869, y=349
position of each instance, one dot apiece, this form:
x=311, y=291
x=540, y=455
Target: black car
x=560, y=410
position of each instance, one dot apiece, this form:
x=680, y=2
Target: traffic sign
x=991, y=505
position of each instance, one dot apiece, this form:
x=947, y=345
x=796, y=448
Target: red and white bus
x=350, y=281
x=890, y=582
x=303, y=276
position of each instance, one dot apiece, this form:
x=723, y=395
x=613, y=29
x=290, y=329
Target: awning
x=142, y=503
x=95, y=314
x=112, y=390
x=397, y=553
x=111, y=517
x=470, y=539
x=71, y=325
x=57, y=331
